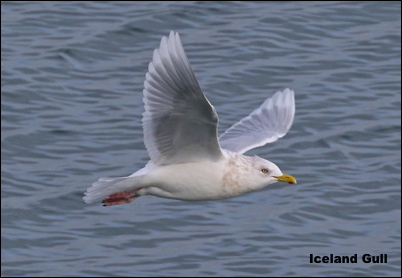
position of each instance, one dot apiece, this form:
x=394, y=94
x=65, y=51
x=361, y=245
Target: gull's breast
x=187, y=181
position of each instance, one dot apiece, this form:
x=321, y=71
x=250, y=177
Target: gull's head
x=268, y=172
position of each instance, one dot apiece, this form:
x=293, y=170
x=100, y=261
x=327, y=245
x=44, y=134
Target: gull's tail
x=105, y=187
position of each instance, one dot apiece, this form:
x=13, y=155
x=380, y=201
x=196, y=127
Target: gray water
x=71, y=99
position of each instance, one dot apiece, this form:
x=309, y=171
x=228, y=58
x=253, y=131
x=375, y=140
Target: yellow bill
x=286, y=178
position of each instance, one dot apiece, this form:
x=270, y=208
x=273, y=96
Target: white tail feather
x=107, y=186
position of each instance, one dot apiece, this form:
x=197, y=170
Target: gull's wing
x=270, y=121
x=180, y=125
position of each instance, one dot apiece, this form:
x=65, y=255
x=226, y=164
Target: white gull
x=188, y=161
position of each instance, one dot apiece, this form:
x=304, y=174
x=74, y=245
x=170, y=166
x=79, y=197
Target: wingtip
x=286, y=91
x=173, y=35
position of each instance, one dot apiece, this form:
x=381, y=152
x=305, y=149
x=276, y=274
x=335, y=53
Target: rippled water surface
x=71, y=99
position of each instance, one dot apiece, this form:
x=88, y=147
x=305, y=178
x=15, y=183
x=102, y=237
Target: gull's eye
x=264, y=170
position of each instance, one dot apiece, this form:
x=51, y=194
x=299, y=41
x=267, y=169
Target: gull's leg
x=121, y=198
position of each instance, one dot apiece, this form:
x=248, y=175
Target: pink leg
x=121, y=198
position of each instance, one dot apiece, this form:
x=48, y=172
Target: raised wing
x=180, y=125
x=270, y=121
